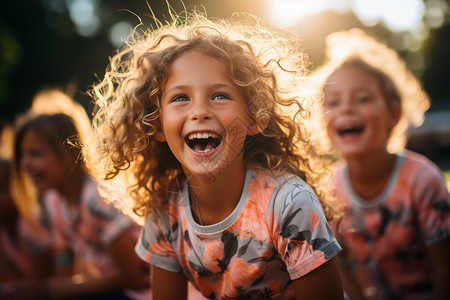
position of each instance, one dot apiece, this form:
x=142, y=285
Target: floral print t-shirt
x=89, y=228
x=388, y=235
x=277, y=233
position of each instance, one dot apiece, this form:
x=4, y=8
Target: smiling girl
x=202, y=119
x=80, y=221
x=396, y=224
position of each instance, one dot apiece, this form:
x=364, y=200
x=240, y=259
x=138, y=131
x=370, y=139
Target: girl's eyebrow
x=362, y=88
x=175, y=88
x=182, y=87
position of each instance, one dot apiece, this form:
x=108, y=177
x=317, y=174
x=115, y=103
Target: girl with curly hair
x=396, y=219
x=203, y=122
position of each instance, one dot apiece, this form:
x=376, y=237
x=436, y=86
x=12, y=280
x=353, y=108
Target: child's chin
x=207, y=171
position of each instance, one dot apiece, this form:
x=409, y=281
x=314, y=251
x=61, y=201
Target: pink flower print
x=266, y=254
x=315, y=220
x=358, y=246
x=239, y=274
x=163, y=248
x=299, y=252
x=203, y=285
x=253, y=224
x=259, y=192
x=400, y=234
x=213, y=253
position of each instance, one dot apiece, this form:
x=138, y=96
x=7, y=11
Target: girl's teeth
x=202, y=135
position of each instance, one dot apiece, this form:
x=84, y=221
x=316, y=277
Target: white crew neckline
x=381, y=198
x=225, y=223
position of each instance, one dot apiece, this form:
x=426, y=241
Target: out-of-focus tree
x=67, y=43
x=436, y=75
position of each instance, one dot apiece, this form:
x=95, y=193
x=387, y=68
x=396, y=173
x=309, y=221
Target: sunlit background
x=66, y=43
x=409, y=21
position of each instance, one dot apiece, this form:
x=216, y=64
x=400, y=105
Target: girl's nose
x=201, y=111
x=347, y=106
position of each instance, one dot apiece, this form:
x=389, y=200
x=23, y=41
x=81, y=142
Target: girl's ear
x=253, y=128
x=160, y=136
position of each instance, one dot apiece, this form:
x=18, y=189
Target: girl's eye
x=35, y=153
x=180, y=98
x=363, y=99
x=331, y=102
x=220, y=97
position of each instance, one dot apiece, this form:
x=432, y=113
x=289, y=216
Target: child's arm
x=352, y=286
x=440, y=258
x=168, y=285
x=129, y=273
x=134, y=272
x=322, y=283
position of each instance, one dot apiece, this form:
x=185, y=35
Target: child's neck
x=74, y=184
x=214, y=199
x=369, y=175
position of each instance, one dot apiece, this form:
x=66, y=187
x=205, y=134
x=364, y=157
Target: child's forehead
x=351, y=74
x=192, y=61
x=352, y=79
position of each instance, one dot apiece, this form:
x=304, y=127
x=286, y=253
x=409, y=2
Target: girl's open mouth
x=203, y=141
x=354, y=130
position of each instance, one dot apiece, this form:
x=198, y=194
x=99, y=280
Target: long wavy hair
x=266, y=64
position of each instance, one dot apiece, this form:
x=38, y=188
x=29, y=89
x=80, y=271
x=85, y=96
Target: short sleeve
x=433, y=204
x=155, y=244
x=301, y=232
x=112, y=221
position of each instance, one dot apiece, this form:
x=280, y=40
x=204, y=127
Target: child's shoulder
x=420, y=172
x=418, y=162
x=282, y=190
x=415, y=157
x=279, y=181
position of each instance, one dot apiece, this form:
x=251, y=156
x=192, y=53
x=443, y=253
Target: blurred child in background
x=396, y=223
x=80, y=220
x=25, y=249
x=206, y=121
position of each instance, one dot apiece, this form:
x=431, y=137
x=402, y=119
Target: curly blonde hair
x=356, y=48
x=266, y=65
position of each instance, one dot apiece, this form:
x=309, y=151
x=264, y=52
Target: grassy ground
x=447, y=177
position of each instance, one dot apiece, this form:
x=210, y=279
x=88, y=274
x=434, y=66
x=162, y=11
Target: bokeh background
x=66, y=44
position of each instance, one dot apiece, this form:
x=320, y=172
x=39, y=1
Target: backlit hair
x=266, y=65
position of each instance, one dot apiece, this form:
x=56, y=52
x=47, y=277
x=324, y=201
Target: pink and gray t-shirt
x=277, y=233
x=389, y=235
x=89, y=228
